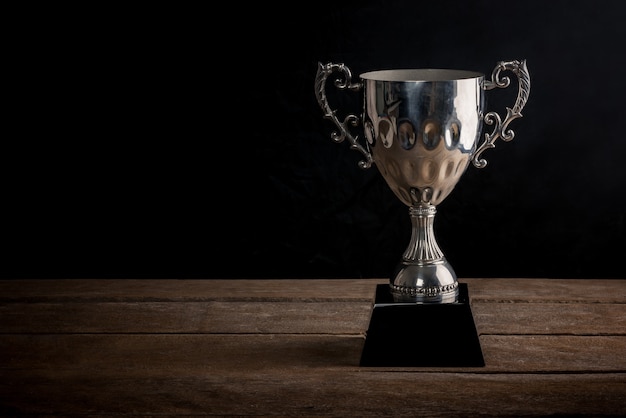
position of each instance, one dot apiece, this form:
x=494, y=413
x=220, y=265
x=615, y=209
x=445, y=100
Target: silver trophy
x=422, y=129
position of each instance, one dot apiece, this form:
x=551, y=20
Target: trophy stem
x=424, y=275
x=423, y=246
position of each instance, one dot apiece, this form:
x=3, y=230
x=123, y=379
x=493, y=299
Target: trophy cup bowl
x=422, y=129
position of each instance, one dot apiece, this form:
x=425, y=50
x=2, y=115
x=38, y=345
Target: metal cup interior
x=420, y=74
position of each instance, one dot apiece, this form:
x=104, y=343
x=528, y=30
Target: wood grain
x=349, y=317
x=222, y=353
x=292, y=348
x=144, y=290
x=310, y=393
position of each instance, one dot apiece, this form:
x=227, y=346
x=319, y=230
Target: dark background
x=188, y=143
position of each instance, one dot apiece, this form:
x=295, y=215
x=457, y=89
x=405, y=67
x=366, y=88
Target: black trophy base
x=404, y=334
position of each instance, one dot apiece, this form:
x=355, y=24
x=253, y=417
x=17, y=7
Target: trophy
x=422, y=129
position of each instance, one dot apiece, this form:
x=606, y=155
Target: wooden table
x=292, y=348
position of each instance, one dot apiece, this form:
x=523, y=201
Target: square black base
x=421, y=335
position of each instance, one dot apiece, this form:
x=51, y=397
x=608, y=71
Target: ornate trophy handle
x=501, y=128
x=323, y=71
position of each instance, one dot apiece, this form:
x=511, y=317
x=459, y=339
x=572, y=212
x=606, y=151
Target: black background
x=188, y=143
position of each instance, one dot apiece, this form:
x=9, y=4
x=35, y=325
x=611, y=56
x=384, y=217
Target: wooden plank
x=144, y=355
x=293, y=317
x=550, y=318
x=186, y=317
x=310, y=393
x=547, y=290
x=547, y=353
x=125, y=290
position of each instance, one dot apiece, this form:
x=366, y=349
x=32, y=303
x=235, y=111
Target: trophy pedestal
x=404, y=334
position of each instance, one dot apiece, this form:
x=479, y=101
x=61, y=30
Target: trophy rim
x=421, y=75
